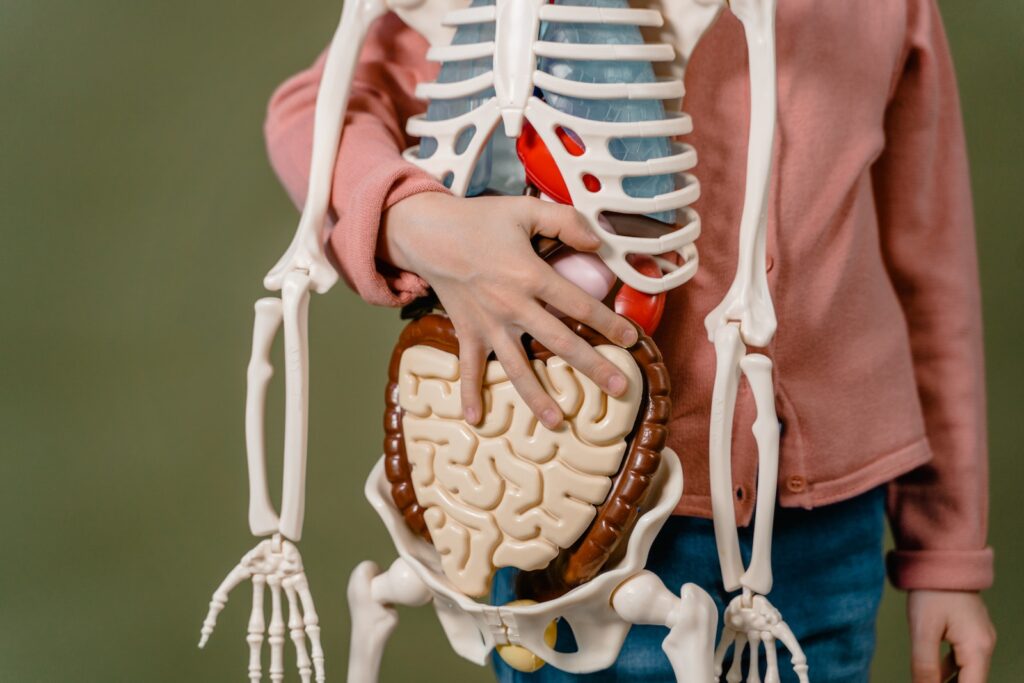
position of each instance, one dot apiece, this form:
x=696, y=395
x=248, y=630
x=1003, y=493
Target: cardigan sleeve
x=370, y=174
x=938, y=512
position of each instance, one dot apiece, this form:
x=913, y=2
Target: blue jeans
x=828, y=570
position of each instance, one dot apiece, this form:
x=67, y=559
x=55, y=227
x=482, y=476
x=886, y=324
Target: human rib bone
x=510, y=492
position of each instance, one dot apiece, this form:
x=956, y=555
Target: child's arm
x=370, y=174
x=939, y=511
x=475, y=253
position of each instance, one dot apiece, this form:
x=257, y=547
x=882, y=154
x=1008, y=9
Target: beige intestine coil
x=510, y=492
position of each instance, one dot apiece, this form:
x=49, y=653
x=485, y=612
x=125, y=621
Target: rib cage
x=452, y=145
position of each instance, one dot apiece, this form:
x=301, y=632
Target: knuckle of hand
x=581, y=309
x=563, y=343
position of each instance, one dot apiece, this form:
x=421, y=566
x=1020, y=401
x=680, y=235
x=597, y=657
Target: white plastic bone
x=515, y=76
x=748, y=300
x=747, y=316
x=691, y=617
x=475, y=628
x=514, y=57
x=295, y=297
x=751, y=621
x=262, y=518
x=729, y=350
x=758, y=371
x=275, y=563
x=371, y=597
x=306, y=252
x=731, y=359
x=257, y=628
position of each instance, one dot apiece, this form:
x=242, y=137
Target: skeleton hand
x=751, y=620
x=275, y=562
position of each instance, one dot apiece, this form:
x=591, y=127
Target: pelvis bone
x=509, y=492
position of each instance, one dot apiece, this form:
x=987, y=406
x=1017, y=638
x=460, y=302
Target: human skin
x=477, y=256
x=451, y=242
x=959, y=618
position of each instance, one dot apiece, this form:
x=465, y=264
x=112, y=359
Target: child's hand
x=477, y=256
x=959, y=618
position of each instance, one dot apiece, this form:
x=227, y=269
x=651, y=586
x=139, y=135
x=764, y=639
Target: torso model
x=591, y=94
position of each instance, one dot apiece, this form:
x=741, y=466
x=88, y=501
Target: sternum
x=516, y=28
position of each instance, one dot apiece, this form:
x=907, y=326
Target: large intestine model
x=591, y=92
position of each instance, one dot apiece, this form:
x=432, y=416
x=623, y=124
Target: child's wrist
x=397, y=220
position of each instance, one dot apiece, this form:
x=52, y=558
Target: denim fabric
x=828, y=584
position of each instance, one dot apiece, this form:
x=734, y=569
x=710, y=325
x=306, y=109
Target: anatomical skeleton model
x=576, y=508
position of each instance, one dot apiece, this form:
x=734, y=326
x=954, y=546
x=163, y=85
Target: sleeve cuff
x=953, y=570
x=354, y=238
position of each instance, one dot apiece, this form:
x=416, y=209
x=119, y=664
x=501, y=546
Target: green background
x=139, y=215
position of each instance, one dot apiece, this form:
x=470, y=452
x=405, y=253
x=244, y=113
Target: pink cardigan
x=872, y=264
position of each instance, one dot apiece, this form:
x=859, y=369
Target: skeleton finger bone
x=754, y=674
x=751, y=619
x=771, y=658
x=311, y=620
x=276, y=631
x=727, y=640
x=220, y=598
x=297, y=629
x=784, y=633
x=735, y=674
x=257, y=626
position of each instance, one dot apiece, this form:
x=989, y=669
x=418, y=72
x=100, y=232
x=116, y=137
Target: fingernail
x=630, y=337
x=551, y=418
x=616, y=385
x=472, y=415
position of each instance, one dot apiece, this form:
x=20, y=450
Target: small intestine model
x=590, y=92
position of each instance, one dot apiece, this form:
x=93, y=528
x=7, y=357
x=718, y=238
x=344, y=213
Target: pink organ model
x=590, y=92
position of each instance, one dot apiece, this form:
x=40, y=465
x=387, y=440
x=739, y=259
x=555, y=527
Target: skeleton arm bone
x=263, y=519
x=306, y=251
x=748, y=300
x=746, y=315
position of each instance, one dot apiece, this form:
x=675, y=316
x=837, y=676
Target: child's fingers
x=925, y=639
x=472, y=358
x=561, y=341
x=575, y=303
x=564, y=223
x=513, y=359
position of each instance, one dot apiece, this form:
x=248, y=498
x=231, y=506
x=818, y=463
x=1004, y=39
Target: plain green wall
x=139, y=215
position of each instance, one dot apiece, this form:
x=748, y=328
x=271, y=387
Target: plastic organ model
x=591, y=92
